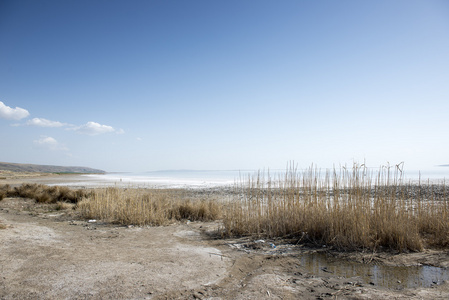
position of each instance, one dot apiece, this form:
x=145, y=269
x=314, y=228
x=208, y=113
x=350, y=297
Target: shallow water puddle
x=385, y=276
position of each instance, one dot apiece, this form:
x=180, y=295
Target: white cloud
x=9, y=113
x=93, y=128
x=50, y=143
x=46, y=140
x=120, y=131
x=41, y=122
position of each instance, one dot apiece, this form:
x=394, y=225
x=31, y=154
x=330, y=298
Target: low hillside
x=45, y=168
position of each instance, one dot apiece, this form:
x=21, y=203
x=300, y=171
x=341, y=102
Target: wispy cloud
x=50, y=143
x=9, y=113
x=93, y=128
x=90, y=128
x=41, y=122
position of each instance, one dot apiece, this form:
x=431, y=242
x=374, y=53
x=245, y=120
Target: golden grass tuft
x=146, y=206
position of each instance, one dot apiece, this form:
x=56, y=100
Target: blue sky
x=149, y=85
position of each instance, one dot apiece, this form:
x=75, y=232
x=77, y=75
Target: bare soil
x=50, y=254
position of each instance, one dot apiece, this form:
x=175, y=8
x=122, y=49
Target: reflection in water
x=385, y=276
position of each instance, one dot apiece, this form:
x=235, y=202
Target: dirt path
x=50, y=257
x=53, y=255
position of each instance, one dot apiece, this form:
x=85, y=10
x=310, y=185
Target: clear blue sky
x=148, y=85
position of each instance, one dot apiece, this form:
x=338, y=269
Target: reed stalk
x=348, y=209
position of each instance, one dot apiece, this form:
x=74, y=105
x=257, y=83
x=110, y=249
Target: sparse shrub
x=44, y=194
x=4, y=189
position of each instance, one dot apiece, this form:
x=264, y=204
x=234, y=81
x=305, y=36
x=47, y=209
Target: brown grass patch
x=146, y=207
x=43, y=193
x=64, y=206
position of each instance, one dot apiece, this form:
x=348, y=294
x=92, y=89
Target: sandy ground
x=17, y=178
x=48, y=254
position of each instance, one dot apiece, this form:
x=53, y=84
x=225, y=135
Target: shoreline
x=94, y=180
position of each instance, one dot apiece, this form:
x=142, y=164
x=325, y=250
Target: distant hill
x=45, y=168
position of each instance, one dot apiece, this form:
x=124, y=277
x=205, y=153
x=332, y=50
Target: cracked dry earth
x=47, y=254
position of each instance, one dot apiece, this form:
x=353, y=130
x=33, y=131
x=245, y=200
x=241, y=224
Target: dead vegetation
x=147, y=206
x=43, y=193
x=349, y=209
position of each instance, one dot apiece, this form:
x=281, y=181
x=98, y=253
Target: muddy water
x=385, y=276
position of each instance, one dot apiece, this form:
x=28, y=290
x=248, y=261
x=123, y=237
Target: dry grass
x=64, y=206
x=124, y=206
x=42, y=193
x=146, y=207
x=348, y=209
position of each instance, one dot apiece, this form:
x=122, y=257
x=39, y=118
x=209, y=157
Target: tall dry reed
x=347, y=209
